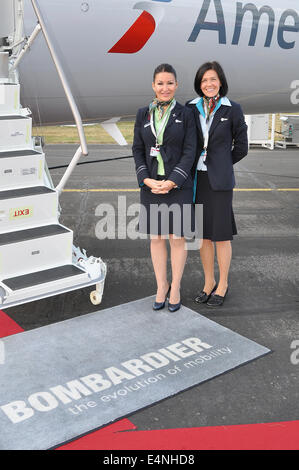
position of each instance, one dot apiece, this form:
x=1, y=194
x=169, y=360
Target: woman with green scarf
x=164, y=150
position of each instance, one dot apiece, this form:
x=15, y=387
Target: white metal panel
x=4, y=65
x=25, y=171
x=15, y=133
x=27, y=212
x=9, y=99
x=258, y=127
x=259, y=132
x=35, y=255
x=7, y=21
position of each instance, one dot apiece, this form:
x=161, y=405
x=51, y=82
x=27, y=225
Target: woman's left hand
x=165, y=187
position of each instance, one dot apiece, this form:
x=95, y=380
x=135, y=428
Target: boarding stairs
x=37, y=255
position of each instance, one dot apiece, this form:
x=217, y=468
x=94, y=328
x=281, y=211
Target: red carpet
x=123, y=435
x=8, y=326
x=271, y=436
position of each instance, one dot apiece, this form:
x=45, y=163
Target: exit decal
x=20, y=212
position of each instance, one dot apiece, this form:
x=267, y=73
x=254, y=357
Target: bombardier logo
x=123, y=374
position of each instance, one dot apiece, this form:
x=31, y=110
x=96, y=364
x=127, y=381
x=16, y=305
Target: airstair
x=37, y=255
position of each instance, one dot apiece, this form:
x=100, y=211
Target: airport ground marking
x=122, y=190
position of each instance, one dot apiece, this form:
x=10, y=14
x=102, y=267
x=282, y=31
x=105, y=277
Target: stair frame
x=21, y=282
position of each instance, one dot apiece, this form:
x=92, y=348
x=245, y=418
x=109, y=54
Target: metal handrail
x=82, y=150
x=63, y=79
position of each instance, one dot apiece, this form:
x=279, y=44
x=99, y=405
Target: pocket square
x=224, y=119
x=177, y=120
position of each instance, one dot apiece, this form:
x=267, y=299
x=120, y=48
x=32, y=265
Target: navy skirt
x=218, y=216
x=164, y=214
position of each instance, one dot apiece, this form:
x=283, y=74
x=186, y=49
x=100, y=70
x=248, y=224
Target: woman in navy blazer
x=164, y=150
x=222, y=142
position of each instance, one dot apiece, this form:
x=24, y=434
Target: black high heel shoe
x=203, y=297
x=216, y=300
x=174, y=307
x=161, y=305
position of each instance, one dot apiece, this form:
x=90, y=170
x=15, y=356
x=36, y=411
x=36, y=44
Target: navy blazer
x=178, y=150
x=228, y=144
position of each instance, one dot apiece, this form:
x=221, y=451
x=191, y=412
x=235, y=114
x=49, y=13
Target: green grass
x=94, y=134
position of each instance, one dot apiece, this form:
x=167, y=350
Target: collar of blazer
x=174, y=115
x=220, y=113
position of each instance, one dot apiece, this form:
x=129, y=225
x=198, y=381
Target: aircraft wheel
x=95, y=297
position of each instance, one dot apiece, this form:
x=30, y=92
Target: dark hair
x=203, y=69
x=164, y=68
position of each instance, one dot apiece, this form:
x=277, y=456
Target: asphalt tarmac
x=263, y=301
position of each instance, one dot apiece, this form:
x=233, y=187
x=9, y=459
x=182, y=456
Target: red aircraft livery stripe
x=137, y=36
x=268, y=436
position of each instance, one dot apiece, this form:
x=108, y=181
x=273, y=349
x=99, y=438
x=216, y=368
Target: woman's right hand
x=154, y=185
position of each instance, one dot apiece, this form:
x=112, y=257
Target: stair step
x=21, y=168
x=13, y=117
x=34, y=249
x=41, y=277
x=32, y=233
x=28, y=207
x=15, y=132
x=19, y=153
x=25, y=192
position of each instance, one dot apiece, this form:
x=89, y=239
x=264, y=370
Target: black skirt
x=218, y=216
x=164, y=214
